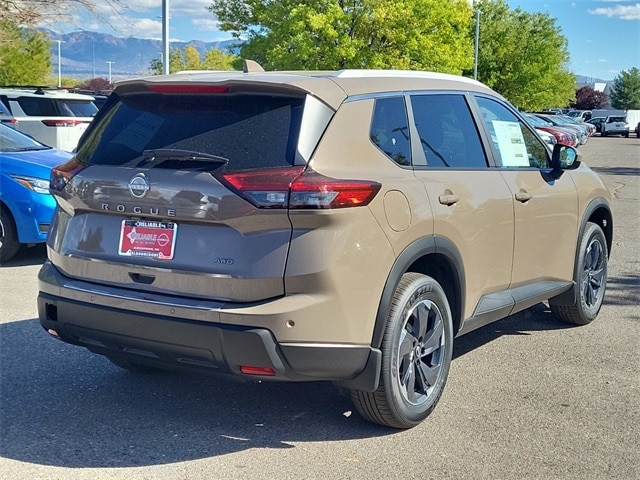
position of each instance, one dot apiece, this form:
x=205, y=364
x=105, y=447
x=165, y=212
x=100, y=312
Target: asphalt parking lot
x=527, y=397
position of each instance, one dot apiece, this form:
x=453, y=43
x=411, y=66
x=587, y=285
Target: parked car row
x=54, y=117
x=566, y=130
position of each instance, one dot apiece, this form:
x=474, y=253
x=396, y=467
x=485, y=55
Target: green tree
x=335, y=34
x=176, y=60
x=625, y=93
x=155, y=66
x=523, y=56
x=25, y=58
x=189, y=59
x=216, y=59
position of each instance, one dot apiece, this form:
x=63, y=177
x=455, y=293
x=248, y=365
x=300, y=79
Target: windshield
x=246, y=130
x=537, y=121
x=13, y=141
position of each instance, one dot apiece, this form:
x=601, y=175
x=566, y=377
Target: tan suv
x=339, y=226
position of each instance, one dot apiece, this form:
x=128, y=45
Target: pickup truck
x=615, y=125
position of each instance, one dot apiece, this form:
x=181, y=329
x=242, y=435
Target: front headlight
x=38, y=185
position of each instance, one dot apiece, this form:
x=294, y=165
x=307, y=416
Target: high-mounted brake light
x=189, y=88
x=63, y=173
x=62, y=122
x=293, y=187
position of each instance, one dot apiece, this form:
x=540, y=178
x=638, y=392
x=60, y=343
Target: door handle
x=523, y=196
x=448, y=199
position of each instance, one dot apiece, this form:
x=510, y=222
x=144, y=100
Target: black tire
x=132, y=366
x=9, y=244
x=416, y=354
x=590, y=277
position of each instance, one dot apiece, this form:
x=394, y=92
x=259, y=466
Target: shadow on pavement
x=63, y=406
x=632, y=171
x=27, y=256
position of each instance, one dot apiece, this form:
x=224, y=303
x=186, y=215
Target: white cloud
x=140, y=27
x=206, y=23
x=190, y=7
x=623, y=12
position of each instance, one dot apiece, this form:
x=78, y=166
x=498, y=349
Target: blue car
x=26, y=207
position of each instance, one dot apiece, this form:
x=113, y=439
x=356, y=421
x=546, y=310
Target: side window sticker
x=511, y=143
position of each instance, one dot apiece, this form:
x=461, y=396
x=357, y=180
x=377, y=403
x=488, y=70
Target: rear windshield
x=246, y=130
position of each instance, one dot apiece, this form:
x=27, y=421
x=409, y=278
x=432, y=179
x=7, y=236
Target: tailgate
x=188, y=235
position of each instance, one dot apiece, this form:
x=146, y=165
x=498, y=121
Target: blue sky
x=603, y=35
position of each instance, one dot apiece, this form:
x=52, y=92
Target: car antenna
x=251, y=66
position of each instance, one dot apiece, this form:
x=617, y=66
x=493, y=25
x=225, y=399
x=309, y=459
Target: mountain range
x=86, y=54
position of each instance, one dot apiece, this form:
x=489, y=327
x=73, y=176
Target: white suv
x=54, y=117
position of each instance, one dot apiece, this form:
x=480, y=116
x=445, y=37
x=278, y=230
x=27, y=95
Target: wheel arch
x=598, y=212
x=436, y=257
x=4, y=207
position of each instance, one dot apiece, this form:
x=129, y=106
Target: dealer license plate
x=141, y=238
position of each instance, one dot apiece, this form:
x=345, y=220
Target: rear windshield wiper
x=160, y=155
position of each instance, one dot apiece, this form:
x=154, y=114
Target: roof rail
x=364, y=73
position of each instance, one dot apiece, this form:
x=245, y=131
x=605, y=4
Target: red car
x=563, y=136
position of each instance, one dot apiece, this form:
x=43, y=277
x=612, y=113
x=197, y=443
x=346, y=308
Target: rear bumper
x=179, y=342
x=617, y=131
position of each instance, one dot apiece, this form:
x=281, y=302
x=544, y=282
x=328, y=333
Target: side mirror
x=563, y=158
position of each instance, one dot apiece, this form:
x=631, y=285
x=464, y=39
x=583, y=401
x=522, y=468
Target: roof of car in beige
x=333, y=87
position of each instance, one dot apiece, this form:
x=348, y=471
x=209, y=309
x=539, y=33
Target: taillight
x=62, y=123
x=63, y=173
x=313, y=190
x=264, y=188
x=293, y=187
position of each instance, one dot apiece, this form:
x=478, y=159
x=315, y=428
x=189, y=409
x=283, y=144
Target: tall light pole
x=475, y=61
x=59, y=64
x=165, y=37
x=110, y=63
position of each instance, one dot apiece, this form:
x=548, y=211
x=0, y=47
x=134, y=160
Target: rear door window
x=248, y=130
x=77, y=108
x=448, y=135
